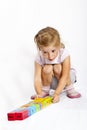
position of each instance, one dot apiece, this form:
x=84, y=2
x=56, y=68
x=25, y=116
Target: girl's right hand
x=56, y=98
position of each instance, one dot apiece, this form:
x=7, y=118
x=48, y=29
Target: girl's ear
x=39, y=48
x=62, y=45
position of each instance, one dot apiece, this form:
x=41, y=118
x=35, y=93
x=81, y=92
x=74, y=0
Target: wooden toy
x=29, y=109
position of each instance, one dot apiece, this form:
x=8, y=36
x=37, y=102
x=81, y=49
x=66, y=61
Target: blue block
x=31, y=110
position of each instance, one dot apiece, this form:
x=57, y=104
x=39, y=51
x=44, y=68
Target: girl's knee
x=57, y=69
x=47, y=69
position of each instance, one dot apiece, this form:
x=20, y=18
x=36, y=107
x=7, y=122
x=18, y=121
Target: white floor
x=68, y=114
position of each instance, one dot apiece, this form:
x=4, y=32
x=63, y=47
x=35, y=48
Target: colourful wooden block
x=37, y=107
x=29, y=108
x=21, y=114
x=11, y=116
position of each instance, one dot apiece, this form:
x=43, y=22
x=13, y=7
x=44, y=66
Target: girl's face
x=49, y=52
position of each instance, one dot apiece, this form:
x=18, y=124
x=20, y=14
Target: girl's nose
x=50, y=56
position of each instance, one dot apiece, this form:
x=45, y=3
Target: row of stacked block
x=29, y=109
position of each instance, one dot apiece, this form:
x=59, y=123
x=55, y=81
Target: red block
x=11, y=116
x=21, y=115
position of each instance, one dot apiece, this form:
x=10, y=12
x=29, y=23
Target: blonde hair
x=48, y=36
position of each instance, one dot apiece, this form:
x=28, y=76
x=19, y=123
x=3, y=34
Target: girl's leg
x=57, y=73
x=55, y=78
x=57, y=69
x=46, y=75
x=70, y=90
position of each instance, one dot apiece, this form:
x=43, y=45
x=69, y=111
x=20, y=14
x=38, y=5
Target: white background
x=20, y=20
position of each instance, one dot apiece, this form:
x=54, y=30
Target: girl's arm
x=64, y=77
x=37, y=79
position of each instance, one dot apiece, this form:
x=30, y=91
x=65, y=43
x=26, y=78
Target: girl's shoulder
x=39, y=59
x=63, y=53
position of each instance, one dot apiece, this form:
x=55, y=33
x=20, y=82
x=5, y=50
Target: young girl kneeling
x=52, y=66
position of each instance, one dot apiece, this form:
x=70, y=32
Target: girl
x=52, y=66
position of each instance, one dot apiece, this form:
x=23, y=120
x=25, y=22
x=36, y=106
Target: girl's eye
x=44, y=52
x=53, y=50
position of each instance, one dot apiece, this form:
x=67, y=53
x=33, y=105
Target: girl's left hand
x=56, y=98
